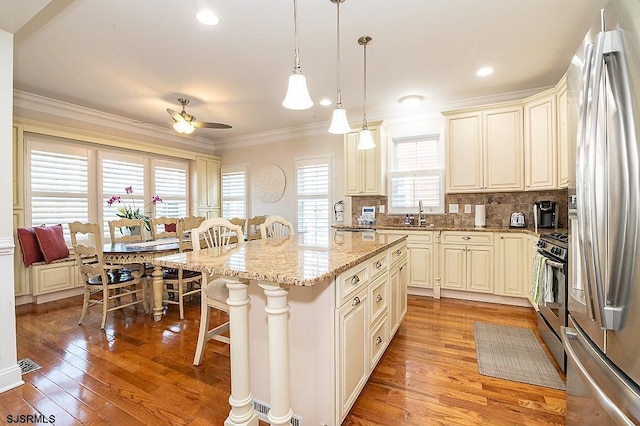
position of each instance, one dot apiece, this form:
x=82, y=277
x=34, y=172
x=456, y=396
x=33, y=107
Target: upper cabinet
x=540, y=142
x=484, y=149
x=365, y=170
x=563, y=135
x=208, y=184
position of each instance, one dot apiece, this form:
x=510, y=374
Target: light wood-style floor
x=140, y=373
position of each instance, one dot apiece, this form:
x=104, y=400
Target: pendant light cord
x=339, y=103
x=296, y=59
x=364, y=120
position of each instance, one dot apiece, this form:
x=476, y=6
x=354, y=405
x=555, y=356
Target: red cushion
x=169, y=227
x=52, y=242
x=29, y=246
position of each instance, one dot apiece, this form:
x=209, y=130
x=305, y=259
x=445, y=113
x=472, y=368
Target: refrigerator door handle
x=582, y=187
x=610, y=388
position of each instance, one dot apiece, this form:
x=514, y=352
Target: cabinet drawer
x=397, y=252
x=378, y=264
x=420, y=237
x=54, y=277
x=379, y=297
x=351, y=281
x=378, y=340
x=467, y=238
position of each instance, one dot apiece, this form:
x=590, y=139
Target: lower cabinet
x=468, y=268
x=47, y=278
x=420, y=248
x=511, y=265
x=371, y=301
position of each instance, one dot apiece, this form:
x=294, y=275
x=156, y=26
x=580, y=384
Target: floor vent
x=262, y=408
x=26, y=365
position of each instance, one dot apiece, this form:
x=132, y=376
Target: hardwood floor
x=139, y=372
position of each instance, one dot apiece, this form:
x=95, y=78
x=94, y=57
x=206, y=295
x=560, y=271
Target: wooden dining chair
x=106, y=285
x=164, y=227
x=276, y=227
x=126, y=230
x=218, y=233
x=253, y=227
x=180, y=283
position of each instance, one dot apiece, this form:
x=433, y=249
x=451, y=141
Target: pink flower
x=128, y=190
x=113, y=199
x=156, y=199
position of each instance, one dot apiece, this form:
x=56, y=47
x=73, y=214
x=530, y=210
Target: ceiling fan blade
x=210, y=125
x=175, y=115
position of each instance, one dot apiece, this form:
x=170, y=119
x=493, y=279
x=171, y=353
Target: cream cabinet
x=420, y=261
x=467, y=261
x=56, y=276
x=20, y=275
x=540, y=141
x=365, y=170
x=398, y=288
x=208, y=184
x=564, y=137
x=484, y=149
x=511, y=264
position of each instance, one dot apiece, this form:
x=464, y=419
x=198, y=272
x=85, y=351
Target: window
x=59, y=184
x=70, y=181
x=234, y=191
x=416, y=174
x=313, y=177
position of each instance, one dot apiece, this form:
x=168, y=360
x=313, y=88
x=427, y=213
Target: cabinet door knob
x=466, y=238
x=399, y=252
x=356, y=301
x=378, y=265
x=355, y=280
x=378, y=340
x=378, y=298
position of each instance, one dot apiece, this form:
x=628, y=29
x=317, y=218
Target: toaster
x=517, y=220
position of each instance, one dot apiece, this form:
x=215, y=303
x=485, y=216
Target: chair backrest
x=159, y=227
x=253, y=227
x=185, y=227
x=89, y=257
x=276, y=227
x=216, y=232
x=124, y=230
x=240, y=221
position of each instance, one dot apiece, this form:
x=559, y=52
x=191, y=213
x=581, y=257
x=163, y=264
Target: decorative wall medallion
x=270, y=183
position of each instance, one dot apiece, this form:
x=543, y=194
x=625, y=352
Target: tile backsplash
x=498, y=205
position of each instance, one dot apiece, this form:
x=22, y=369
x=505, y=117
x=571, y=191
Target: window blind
x=171, y=185
x=313, y=183
x=234, y=192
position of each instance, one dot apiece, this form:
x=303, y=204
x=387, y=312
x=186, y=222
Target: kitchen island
x=309, y=320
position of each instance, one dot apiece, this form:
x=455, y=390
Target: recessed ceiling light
x=411, y=101
x=325, y=102
x=207, y=17
x=484, y=71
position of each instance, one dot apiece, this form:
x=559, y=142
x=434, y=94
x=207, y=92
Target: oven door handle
x=554, y=264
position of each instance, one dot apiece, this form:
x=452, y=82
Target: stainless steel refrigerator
x=602, y=340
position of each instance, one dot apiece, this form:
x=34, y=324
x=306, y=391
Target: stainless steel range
x=552, y=308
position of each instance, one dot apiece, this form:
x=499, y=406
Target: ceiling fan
x=183, y=122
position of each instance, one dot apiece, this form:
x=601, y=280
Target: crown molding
x=27, y=104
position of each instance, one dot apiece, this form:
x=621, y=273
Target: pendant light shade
x=339, y=122
x=365, y=140
x=297, y=94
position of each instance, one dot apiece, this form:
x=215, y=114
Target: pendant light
x=297, y=94
x=339, y=123
x=365, y=140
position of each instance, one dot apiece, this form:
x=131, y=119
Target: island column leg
x=156, y=291
x=241, y=399
x=278, y=338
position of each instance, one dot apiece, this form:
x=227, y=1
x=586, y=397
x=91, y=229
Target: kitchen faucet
x=421, y=220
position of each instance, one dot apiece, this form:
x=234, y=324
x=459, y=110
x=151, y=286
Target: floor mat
x=515, y=354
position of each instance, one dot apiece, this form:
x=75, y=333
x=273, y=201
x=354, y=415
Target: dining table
x=143, y=253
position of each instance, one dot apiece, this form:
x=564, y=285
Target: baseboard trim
x=10, y=378
x=475, y=297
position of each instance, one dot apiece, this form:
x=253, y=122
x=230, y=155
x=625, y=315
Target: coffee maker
x=545, y=214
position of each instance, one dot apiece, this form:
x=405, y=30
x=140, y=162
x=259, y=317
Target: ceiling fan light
x=183, y=127
x=297, y=97
x=366, y=140
x=339, y=123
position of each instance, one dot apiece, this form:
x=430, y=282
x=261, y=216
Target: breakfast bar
x=331, y=308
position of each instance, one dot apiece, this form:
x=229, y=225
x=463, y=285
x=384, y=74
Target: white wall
x=321, y=143
x=10, y=374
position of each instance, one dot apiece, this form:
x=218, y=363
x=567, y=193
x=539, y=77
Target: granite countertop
x=296, y=260
x=527, y=230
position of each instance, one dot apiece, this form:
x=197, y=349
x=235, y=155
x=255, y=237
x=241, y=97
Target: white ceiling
x=135, y=58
